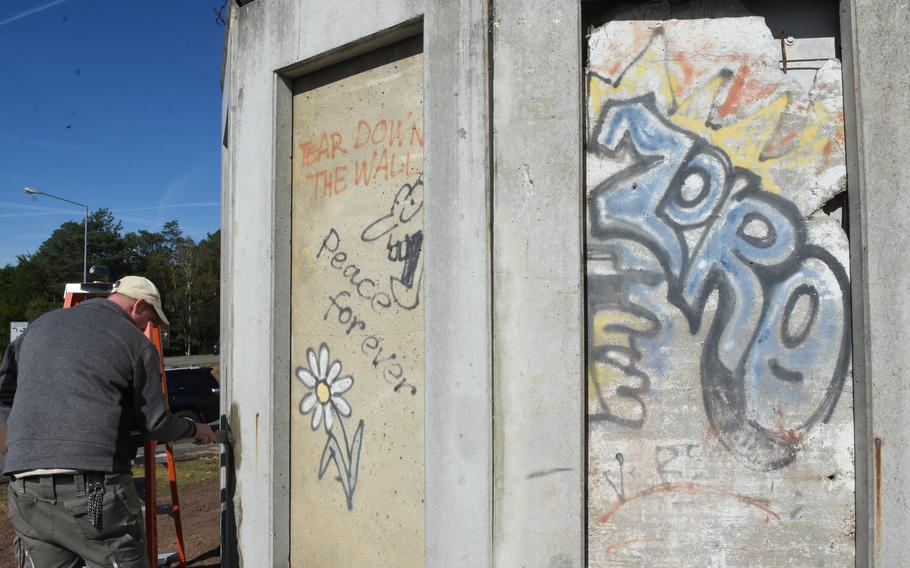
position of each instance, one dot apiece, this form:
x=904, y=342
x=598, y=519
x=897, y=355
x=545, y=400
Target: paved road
x=188, y=451
x=183, y=360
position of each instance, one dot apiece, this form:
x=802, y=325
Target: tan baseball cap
x=139, y=288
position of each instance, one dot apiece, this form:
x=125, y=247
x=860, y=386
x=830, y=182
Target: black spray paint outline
x=404, y=247
x=611, y=291
x=723, y=389
x=347, y=458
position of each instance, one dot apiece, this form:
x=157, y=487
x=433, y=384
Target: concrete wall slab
x=459, y=401
x=266, y=37
x=537, y=284
x=719, y=393
x=876, y=55
x=357, y=269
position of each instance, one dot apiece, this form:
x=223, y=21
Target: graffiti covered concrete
x=718, y=355
x=357, y=318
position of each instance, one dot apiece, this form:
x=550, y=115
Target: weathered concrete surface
x=876, y=58
x=269, y=36
x=537, y=282
x=265, y=37
x=458, y=387
x=297, y=37
x=248, y=356
x=357, y=268
x=720, y=418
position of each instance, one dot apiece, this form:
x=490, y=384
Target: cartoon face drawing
x=404, y=242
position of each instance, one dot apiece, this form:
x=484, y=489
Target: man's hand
x=204, y=434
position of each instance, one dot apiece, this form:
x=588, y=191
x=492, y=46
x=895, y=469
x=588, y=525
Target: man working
x=71, y=389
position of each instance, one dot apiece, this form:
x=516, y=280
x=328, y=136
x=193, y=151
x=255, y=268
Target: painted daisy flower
x=326, y=388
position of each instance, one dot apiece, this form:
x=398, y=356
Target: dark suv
x=193, y=392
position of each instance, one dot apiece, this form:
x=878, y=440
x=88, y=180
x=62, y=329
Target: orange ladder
x=79, y=292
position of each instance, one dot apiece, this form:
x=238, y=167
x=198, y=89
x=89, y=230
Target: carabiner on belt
x=95, y=488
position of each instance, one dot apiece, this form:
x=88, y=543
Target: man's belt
x=89, y=483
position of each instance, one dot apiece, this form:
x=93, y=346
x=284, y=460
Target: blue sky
x=111, y=103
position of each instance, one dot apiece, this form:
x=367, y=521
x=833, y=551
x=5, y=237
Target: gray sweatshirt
x=74, y=385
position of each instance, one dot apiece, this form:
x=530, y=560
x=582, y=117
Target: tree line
x=186, y=272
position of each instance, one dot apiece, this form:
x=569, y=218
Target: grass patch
x=188, y=472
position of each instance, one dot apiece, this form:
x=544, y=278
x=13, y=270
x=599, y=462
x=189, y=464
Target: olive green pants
x=50, y=517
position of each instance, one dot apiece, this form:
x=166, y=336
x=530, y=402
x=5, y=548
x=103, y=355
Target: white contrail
x=30, y=12
x=30, y=207
x=39, y=211
x=45, y=214
x=171, y=206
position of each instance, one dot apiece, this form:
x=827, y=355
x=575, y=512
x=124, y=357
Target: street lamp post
x=33, y=191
